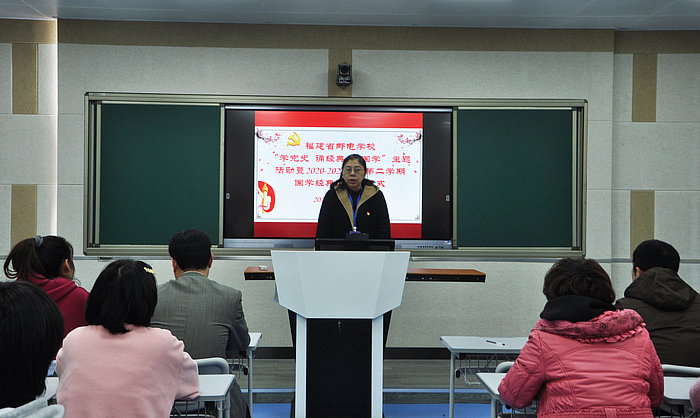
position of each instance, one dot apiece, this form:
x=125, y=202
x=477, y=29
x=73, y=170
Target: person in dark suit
x=207, y=316
x=353, y=203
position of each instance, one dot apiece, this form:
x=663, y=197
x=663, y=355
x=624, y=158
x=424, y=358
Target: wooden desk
x=676, y=389
x=212, y=388
x=497, y=347
x=412, y=275
x=215, y=388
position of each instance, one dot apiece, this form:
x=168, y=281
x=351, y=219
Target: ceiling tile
x=668, y=23
x=68, y=3
x=86, y=13
x=12, y=11
x=612, y=14
x=157, y=15
x=606, y=8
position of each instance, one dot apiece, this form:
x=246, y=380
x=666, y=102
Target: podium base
x=339, y=368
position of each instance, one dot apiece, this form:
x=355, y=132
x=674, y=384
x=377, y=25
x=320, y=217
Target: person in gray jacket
x=669, y=306
x=207, y=316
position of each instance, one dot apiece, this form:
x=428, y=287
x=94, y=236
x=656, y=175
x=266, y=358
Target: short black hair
x=655, y=253
x=31, y=332
x=190, y=249
x=578, y=276
x=124, y=293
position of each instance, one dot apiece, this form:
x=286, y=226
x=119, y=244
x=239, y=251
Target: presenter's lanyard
x=355, y=205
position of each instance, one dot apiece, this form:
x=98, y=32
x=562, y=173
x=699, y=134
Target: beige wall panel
x=187, y=70
x=70, y=215
x=598, y=173
x=32, y=142
x=24, y=78
x=644, y=88
x=622, y=88
x=690, y=273
x=678, y=88
x=330, y=37
x=71, y=151
x=598, y=222
x=620, y=224
x=5, y=78
x=5, y=219
x=431, y=310
x=641, y=217
x=46, y=205
x=48, y=79
x=652, y=42
x=36, y=31
x=488, y=75
x=621, y=276
x=677, y=220
x=87, y=270
x=23, y=218
x=656, y=156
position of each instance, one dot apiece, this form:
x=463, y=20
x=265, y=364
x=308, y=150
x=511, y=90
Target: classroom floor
x=412, y=388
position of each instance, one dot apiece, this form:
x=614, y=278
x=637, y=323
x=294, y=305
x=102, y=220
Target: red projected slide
x=299, y=154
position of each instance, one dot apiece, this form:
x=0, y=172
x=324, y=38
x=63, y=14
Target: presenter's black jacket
x=670, y=309
x=336, y=216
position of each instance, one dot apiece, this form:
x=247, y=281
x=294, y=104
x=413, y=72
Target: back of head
x=38, y=255
x=124, y=293
x=191, y=249
x=31, y=332
x=578, y=276
x=655, y=253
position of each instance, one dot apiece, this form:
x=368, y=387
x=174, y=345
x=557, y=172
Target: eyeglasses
x=357, y=170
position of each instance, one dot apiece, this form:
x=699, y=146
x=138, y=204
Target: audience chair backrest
x=504, y=366
x=675, y=370
x=212, y=365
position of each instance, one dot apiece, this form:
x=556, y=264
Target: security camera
x=344, y=75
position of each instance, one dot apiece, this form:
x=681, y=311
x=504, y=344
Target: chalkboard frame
x=91, y=246
x=577, y=112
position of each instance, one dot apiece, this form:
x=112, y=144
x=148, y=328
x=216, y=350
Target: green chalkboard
x=515, y=178
x=159, y=172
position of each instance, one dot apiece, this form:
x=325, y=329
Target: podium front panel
x=340, y=284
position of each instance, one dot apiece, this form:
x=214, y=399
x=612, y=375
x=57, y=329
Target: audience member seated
x=31, y=331
x=207, y=316
x=48, y=263
x=669, y=307
x=585, y=358
x=118, y=365
x=695, y=395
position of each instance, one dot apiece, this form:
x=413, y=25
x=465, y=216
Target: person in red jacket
x=585, y=358
x=48, y=263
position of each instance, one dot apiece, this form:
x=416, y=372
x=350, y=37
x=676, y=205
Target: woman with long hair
x=47, y=261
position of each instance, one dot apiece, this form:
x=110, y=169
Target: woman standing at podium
x=354, y=204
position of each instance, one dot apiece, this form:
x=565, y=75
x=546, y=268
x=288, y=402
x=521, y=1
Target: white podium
x=339, y=298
